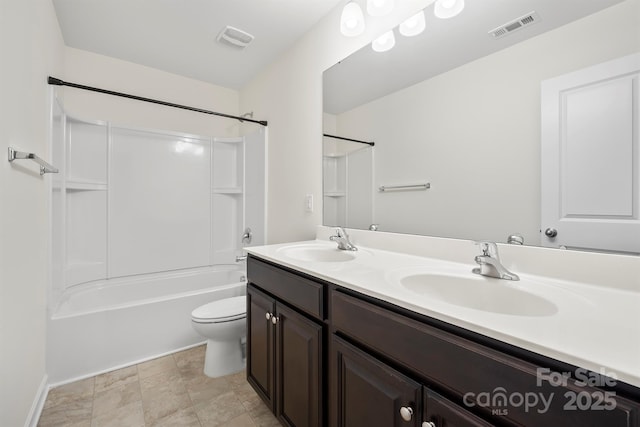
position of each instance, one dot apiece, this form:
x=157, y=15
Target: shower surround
x=147, y=225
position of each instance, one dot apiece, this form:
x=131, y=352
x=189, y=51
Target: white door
x=590, y=156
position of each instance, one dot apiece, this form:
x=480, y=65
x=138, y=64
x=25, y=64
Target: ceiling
x=443, y=46
x=179, y=36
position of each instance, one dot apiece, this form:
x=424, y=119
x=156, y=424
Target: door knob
x=406, y=413
x=551, y=232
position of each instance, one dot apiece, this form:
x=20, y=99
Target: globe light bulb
x=413, y=26
x=352, y=20
x=384, y=42
x=379, y=7
x=445, y=9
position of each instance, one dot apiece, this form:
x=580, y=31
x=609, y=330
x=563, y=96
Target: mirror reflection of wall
x=347, y=182
x=474, y=131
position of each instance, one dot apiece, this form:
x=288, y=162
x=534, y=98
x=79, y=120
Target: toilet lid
x=223, y=310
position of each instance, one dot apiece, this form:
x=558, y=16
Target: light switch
x=308, y=203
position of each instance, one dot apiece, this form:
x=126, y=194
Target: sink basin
x=317, y=253
x=479, y=293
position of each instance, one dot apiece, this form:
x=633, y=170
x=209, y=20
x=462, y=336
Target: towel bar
x=21, y=155
x=383, y=188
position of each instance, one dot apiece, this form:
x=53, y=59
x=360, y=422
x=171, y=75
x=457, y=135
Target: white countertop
x=593, y=327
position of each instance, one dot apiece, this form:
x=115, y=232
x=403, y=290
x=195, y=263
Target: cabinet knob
x=406, y=413
x=428, y=424
x=267, y=315
x=274, y=319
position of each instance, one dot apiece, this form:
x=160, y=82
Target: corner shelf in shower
x=335, y=194
x=75, y=184
x=228, y=190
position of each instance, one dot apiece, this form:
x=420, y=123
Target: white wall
x=474, y=133
x=30, y=49
x=289, y=95
x=104, y=72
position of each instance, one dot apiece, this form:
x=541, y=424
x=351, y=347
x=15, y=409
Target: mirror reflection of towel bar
x=383, y=188
x=21, y=155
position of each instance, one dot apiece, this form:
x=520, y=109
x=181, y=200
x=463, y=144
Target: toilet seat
x=224, y=310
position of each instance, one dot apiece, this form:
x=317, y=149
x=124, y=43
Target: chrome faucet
x=342, y=238
x=490, y=264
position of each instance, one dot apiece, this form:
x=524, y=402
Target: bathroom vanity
x=326, y=350
x=286, y=334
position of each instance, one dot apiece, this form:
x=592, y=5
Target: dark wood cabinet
x=260, y=345
x=441, y=412
x=390, y=367
x=298, y=369
x=285, y=347
x=481, y=382
x=368, y=393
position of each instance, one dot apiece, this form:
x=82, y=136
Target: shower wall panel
x=87, y=151
x=159, y=202
x=85, y=170
x=255, y=186
x=228, y=198
x=130, y=202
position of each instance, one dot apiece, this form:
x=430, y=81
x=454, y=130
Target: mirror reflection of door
x=590, y=158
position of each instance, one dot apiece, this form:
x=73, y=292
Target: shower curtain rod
x=58, y=82
x=349, y=139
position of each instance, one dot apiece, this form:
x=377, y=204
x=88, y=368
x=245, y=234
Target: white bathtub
x=120, y=322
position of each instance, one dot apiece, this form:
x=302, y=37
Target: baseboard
x=125, y=365
x=38, y=403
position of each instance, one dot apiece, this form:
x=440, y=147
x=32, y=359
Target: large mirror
x=457, y=114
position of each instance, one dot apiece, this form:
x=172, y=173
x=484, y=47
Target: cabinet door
x=260, y=362
x=367, y=393
x=441, y=412
x=298, y=369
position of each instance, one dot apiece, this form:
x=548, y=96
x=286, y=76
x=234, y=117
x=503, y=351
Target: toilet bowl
x=223, y=323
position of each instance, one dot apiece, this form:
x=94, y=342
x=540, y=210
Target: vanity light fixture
x=352, y=20
x=379, y=7
x=413, y=26
x=384, y=42
x=445, y=9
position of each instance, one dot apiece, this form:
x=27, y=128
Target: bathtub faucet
x=247, y=236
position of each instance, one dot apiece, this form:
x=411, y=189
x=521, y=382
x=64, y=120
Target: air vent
x=516, y=24
x=234, y=37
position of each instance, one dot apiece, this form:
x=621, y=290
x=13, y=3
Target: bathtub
x=112, y=324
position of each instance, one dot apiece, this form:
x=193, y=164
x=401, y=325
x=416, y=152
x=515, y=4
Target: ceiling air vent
x=234, y=37
x=516, y=24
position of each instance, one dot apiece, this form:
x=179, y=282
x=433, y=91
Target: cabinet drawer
x=472, y=372
x=302, y=293
x=442, y=412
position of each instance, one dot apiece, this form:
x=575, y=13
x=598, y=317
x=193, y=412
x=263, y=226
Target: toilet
x=223, y=323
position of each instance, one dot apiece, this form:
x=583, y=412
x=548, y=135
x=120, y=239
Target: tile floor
x=168, y=391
